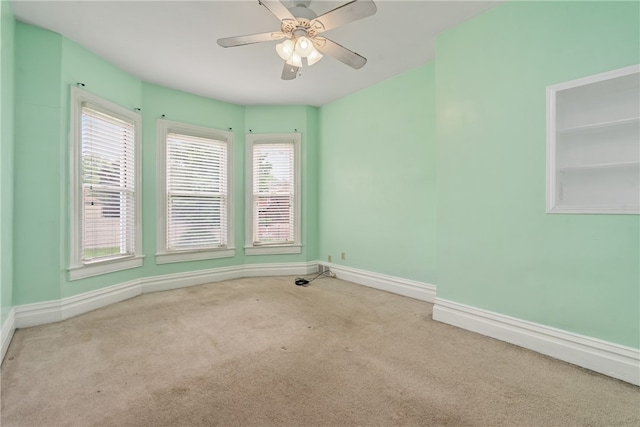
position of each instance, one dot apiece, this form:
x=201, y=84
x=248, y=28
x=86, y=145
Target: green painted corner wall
x=303, y=120
x=7, y=28
x=378, y=178
x=196, y=110
x=497, y=248
x=47, y=66
x=311, y=184
x=101, y=78
x=37, y=165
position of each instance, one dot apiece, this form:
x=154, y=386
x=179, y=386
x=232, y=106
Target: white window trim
x=272, y=138
x=77, y=268
x=163, y=256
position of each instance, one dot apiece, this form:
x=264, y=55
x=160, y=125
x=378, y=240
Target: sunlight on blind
x=196, y=192
x=273, y=194
x=108, y=186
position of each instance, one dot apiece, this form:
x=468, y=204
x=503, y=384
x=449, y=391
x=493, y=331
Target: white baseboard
x=83, y=303
x=54, y=311
x=38, y=313
x=396, y=285
x=200, y=277
x=167, y=282
x=288, y=269
x=27, y=315
x=607, y=358
x=8, y=328
x=41, y=313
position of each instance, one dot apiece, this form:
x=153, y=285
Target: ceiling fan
x=301, y=29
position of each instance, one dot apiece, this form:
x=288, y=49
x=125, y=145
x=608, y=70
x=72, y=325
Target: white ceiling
x=173, y=43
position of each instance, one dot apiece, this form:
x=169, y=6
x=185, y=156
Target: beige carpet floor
x=263, y=352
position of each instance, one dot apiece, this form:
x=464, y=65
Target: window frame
x=78, y=269
x=163, y=255
x=253, y=139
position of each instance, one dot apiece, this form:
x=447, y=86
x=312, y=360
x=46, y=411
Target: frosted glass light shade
x=292, y=51
x=303, y=46
x=295, y=60
x=313, y=57
x=285, y=49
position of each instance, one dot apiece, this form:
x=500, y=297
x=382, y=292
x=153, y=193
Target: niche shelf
x=593, y=144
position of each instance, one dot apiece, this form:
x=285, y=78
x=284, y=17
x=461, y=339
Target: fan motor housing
x=301, y=27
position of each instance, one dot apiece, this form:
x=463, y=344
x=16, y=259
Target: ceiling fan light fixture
x=313, y=57
x=300, y=27
x=293, y=50
x=303, y=46
x=295, y=60
x=285, y=49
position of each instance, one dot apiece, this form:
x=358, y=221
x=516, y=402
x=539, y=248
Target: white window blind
x=273, y=194
x=196, y=193
x=108, y=185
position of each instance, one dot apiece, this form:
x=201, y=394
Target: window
x=194, y=201
x=273, y=194
x=105, y=187
x=593, y=144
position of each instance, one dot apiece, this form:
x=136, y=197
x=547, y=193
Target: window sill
x=273, y=250
x=184, y=256
x=99, y=268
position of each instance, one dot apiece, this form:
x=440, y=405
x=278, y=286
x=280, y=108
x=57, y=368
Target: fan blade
x=341, y=53
x=277, y=9
x=249, y=39
x=289, y=72
x=352, y=11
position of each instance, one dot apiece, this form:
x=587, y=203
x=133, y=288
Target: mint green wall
x=291, y=119
x=37, y=165
x=109, y=82
x=47, y=65
x=7, y=26
x=497, y=248
x=378, y=177
x=187, y=108
x=311, y=184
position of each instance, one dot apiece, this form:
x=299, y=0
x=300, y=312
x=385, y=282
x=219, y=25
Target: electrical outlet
x=328, y=258
x=342, y=255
